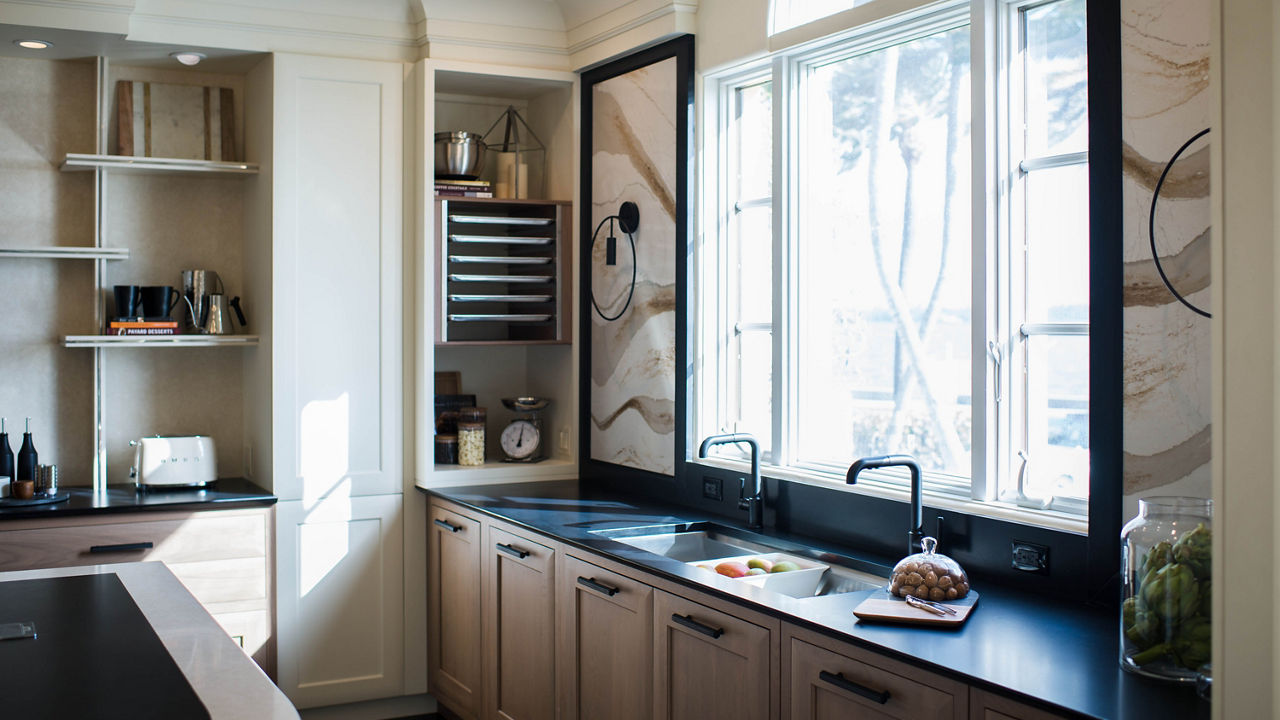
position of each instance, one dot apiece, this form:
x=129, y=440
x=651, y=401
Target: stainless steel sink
x=696, y=542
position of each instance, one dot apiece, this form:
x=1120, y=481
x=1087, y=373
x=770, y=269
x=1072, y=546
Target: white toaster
x=170, y=462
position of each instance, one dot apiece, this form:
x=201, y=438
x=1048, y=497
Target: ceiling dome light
x=188, y=58
x=33, y=44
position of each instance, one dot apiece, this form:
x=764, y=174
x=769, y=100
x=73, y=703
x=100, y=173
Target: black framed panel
x=678, y=211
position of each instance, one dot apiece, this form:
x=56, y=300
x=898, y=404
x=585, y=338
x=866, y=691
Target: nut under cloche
x=929, y=576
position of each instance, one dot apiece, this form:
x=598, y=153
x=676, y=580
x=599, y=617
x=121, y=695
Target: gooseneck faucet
x=915, y=532
x=753, y=504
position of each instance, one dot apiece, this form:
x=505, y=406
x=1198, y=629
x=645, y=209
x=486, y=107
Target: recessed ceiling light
x=188, y=58
x=33, y=44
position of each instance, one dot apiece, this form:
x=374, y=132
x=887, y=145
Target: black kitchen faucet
x=915, y=532
x=754, y=505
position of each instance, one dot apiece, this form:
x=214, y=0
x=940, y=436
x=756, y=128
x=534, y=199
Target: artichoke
x=1195, y=550
x=1173, y=593
x=1157, y=557
x=1192, y=643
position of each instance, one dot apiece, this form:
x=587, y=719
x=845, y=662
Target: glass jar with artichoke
x=1167, y=556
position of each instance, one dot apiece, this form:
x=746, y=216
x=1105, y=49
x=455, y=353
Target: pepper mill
x=28, y=460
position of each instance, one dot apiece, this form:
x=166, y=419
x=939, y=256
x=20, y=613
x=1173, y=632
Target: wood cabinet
x=523, y=628
x=709, y=665
x=520, y=626
x=988, y=706
x=453, y=610
x=829, y=680
x=605, y=644
x=223, y=557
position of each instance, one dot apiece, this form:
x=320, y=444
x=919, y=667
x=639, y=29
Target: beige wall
x=169, y=223
x=47, y=112
x=1246, y=190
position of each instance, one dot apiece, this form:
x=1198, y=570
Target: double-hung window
x=876, y=276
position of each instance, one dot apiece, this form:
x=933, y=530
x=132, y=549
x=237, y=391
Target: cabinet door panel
x=453, y=590
x=520, y=678
x=336, y=307
x=341, y=606
x=708, y=665
x=826, y=684
x=606, y=622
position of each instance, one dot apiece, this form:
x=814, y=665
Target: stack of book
x=142, y=326
x=464, y=188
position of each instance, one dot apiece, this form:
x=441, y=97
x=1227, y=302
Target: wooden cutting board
x=883, y=607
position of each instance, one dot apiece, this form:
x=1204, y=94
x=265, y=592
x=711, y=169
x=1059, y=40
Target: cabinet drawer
x=986, y=706
x=514, y=548
x=193, y=539
x=631, y=595
x=217, y=583
x=826, y=684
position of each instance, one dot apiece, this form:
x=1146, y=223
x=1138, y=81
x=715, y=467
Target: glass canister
x=1167, y=561
x=471, y=436
x=446, y=449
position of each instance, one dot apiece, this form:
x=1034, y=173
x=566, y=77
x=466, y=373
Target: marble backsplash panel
x=633, y=373
x=1166, y=100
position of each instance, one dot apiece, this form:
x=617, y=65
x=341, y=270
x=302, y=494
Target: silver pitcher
x=218, y=318
x=197, y=287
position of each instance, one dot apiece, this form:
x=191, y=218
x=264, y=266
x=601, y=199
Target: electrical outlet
x=564, y=439
x=712, y=488
x=248, y=460
x=1030, y=557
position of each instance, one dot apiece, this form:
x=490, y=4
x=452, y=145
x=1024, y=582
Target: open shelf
x=496, y=470
x=166, y=341
x=127, y=163
x=66, y=253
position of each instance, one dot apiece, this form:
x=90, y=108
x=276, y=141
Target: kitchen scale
x=524, y=438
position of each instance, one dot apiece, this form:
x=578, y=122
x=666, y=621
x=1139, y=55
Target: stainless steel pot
x=459, y=155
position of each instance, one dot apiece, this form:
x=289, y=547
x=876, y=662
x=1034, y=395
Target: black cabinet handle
x=845, y=683
x=689, y=622
x=598, y=586
x=122, y=547
x=513, y=551
x=447, y=526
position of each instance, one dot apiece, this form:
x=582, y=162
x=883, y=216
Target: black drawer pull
x=513, y=551
x=689, y=622
x=447, y=526
x=598, y=586
x=845, y=683
x=122, y=547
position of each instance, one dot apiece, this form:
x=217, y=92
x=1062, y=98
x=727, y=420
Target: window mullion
x=781, y=391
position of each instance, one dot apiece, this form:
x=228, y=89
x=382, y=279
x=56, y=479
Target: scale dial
x=521, y=440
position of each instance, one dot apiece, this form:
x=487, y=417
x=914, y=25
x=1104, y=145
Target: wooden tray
x=883, y=607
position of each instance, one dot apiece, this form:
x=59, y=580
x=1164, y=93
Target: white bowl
x=793, y=583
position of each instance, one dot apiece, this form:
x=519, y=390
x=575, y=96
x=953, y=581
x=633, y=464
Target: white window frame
x=991, y=58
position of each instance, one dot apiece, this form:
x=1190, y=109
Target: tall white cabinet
x=336, y=154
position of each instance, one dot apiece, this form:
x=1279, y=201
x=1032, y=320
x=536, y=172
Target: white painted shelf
x=498, y=471
x=163, y=341
x=126, y=163
x=66, y=253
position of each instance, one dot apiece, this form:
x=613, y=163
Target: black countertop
x=1059, y=656
x=126, y=499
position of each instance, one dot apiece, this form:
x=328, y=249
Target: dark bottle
x=28, y=460
x=6, y=454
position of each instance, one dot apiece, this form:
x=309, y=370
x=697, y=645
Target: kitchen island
x=224, y=680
